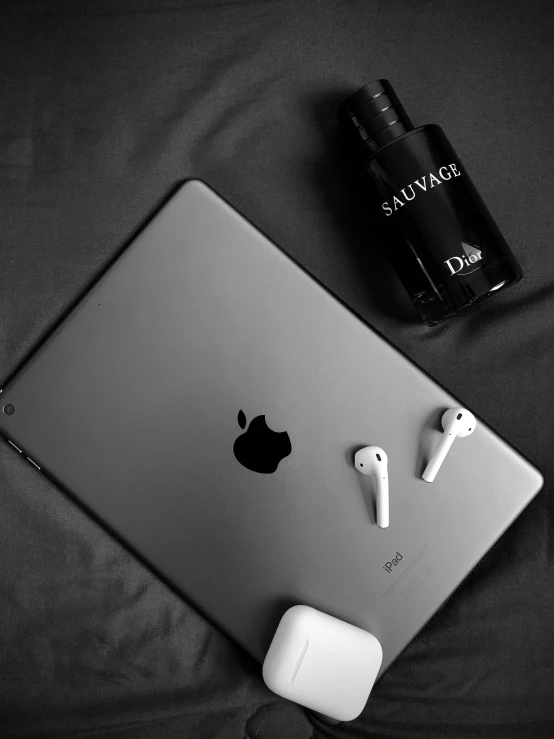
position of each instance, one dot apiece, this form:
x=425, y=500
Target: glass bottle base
x=436, y=307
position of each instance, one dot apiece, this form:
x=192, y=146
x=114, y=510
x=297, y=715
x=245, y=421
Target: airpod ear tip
x=449, y=416
x=465, y=420
x=370, y=460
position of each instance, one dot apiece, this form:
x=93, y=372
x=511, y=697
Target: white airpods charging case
x=322, y=663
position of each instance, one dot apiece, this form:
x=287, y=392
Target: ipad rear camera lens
x=9, y=410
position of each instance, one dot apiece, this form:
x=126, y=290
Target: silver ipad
x=204, y=401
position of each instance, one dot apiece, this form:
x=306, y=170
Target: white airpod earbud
x=455, y=422
x=372, y=460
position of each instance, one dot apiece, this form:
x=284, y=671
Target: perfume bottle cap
x=374, y=116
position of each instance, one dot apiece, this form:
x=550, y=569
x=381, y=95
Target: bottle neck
x=374, y=116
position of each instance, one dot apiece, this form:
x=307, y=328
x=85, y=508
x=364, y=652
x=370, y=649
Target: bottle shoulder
x=429, y=129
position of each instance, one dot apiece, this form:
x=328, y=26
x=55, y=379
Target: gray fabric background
x=104, y=106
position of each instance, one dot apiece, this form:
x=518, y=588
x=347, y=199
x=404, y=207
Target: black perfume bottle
x=444, y=244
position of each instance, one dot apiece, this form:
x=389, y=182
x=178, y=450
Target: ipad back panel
x=201, y=328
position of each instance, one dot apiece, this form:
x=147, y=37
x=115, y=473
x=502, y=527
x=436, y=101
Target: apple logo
x=260, y=449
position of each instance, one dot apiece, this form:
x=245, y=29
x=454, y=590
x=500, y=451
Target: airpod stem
x=439, y=454
x=382, y=501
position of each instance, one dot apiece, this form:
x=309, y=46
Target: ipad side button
x=33, y=463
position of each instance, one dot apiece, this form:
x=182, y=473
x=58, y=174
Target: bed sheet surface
x=104, y=107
